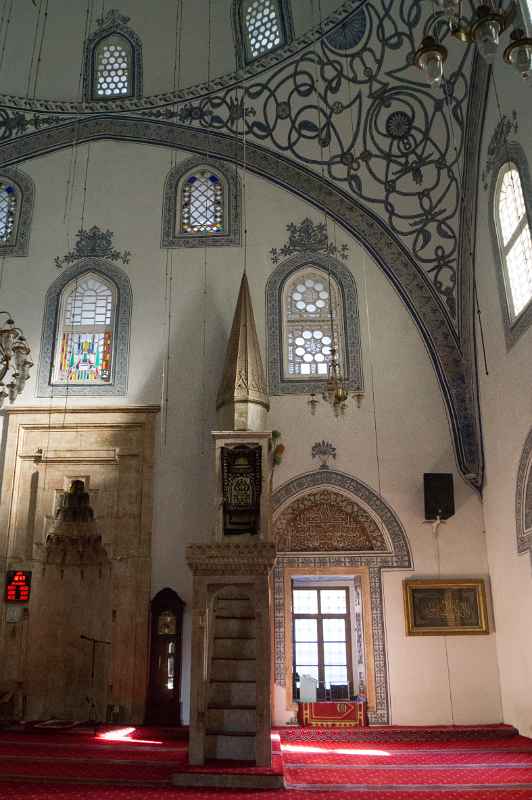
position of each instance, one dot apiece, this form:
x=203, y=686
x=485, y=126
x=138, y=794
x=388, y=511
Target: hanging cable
x=5, y=21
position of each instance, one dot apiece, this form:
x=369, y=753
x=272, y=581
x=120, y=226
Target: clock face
x=18, y=586
x=166, y=624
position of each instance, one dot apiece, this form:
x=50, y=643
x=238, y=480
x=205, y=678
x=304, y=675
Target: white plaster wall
x=57, y=76
x=507, y=418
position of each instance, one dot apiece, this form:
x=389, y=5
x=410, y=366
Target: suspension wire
x=39, y=54
x=34, y=47
x=5, y=21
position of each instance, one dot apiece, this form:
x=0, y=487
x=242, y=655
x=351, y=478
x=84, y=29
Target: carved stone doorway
x=163, y=706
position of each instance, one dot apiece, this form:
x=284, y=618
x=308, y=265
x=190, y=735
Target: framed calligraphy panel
x=445, y=607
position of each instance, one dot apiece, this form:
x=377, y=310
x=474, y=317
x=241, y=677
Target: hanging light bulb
x=430, y=58
x=519, y=53
x=486, y=34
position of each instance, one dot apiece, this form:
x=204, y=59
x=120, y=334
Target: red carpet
x=138, y=766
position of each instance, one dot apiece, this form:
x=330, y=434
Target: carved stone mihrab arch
x=452, y=366
x=397, y=555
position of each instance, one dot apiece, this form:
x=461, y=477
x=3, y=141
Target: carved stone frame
x=232, y=196
x=243, y=57
x=118, y=386
x=371, y=564
x=511, y=152
x=345, y=281
x=18, y=244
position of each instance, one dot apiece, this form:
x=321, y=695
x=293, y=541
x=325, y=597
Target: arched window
x=301, y=293
x=310, y=299
x=112, y=68
x=113, y=60
x=201, y=204
x=515, y=242
x=261, y=26
x=84, y=339
x=16, y=208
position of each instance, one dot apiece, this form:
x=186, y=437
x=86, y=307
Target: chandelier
x=335, y=392
x=483, y=29
x=14, y=360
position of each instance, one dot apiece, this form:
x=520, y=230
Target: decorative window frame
x=233, y=202
x=18, y=245
x=514, y=153
x=122, y=314
x=243, y=57
x=352, y=351
x=524, y=480
x=113, y=23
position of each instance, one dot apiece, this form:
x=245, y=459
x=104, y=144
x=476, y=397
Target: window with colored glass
x=84, y=340
x=202, y=203
x=262, y=26
x=322, y=642
x=8, y=211
x=112, y=74
x=311, y=297
x=515, y=242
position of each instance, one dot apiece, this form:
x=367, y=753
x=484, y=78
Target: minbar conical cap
x=243, y=378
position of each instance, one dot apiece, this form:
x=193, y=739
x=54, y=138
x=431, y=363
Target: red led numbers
x=18, y=585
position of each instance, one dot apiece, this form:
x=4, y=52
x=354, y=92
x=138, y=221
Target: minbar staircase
x=232, y=690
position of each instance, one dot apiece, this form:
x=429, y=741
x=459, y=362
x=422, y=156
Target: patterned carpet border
x=391, y=733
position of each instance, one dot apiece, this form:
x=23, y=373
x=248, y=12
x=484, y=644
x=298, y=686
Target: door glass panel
x=333, y=630
x=333, y=601
x=305, y=601
x=306, y=653
x=334, y=653
x=306, y=630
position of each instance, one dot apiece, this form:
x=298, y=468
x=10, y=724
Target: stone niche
x=103, y=596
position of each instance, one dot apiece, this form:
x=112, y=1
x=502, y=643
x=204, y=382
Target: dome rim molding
x=197, y=90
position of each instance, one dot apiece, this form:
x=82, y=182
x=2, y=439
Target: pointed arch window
x=9, y=202
x=261, y=27
x=310, y=299
x=113, y=58
x=514, y=239
x=84, y=339
x=16, y=209
x=201, y=204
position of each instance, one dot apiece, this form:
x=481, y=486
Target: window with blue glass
x=202, y=204
x=9, y=203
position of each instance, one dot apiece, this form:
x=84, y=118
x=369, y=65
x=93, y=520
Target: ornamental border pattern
x=364, y=225
x=121, y=331
x=509, y=151
x=19, y=245
x=278, y=384
x=233, y=194
x=524, y=476
x=399, y=558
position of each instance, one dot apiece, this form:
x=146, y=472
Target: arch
x=523, y=498
x=510, y=153
x=455, y=369
x=113, y=29
x=279, y=382
x=110, y=274
x=163, y=702
x=17, y=242
x=172, y=235
x=247, y=51
x=398, y=556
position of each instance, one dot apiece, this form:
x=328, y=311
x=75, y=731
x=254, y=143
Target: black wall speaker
x=439, y=495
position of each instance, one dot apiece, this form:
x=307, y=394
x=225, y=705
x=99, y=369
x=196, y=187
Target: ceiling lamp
x=484, y=29
x=14, y=359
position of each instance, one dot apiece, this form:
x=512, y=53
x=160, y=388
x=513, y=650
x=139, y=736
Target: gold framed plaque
x=445, y=607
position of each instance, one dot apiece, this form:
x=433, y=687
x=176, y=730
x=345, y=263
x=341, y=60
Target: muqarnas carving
x=242, y=476
x=326, y=521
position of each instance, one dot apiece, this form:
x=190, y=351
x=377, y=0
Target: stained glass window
x=112, y=74
x=202, y=203
x=262, y=26
x=515, y=242
x=309, y=297
x=8, y=210
x=84, y=341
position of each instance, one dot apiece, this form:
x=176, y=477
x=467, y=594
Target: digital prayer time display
x=18, y=586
